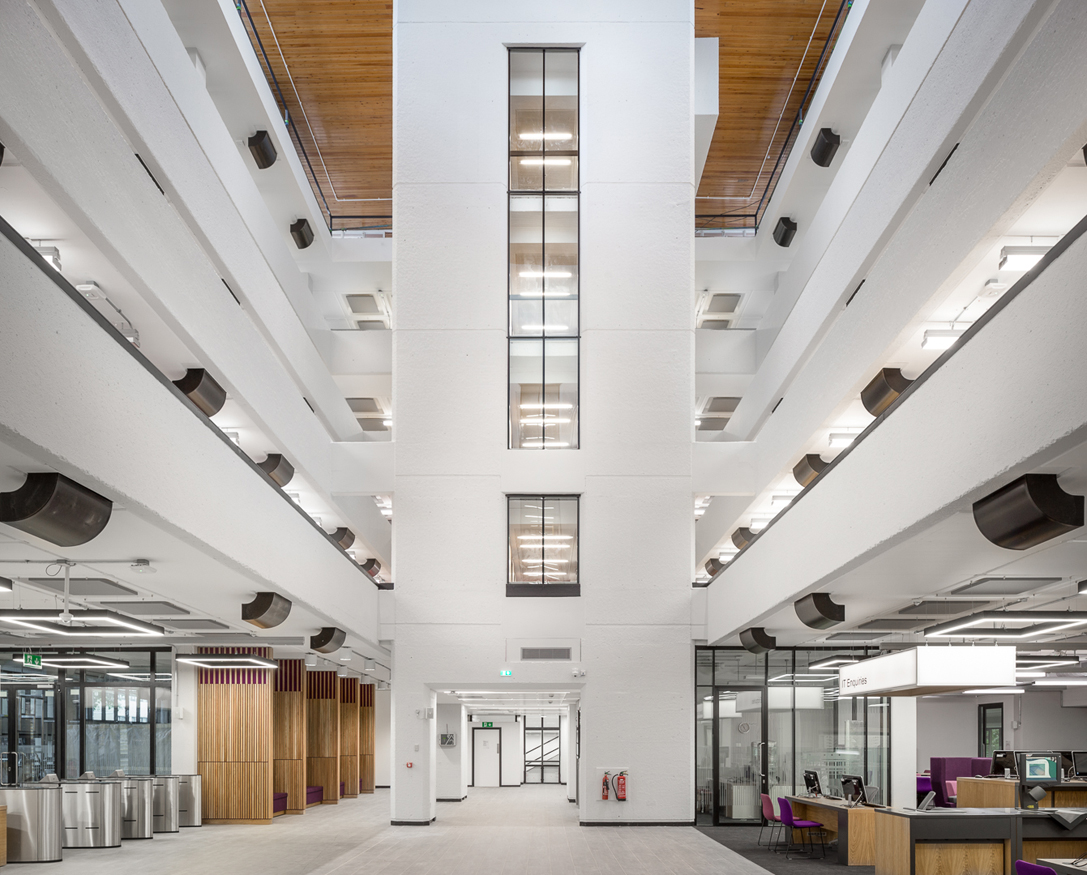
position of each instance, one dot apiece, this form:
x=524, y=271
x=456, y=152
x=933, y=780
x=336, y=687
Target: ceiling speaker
x=278, y=468
x=808, y=468
x=742, y=537
x=267, y=610
x=302, y=233
x=1027, y=512
x=784, y=231
x=56, y=509
x=818, y=611
x=884, y=390
x=713, y=566
x=757, y=640
x=344, y=537
x=202, y=390
x=371, y=567
x=263, y=149
x=329, y=639
x=825, y=145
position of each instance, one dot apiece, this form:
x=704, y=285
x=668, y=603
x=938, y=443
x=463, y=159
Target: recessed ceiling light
x=940, y=339
x=1020, y=258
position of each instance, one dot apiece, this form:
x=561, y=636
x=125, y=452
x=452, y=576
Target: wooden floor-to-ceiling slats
x=366, y=738
x=234, y=740
x=349, y=736
x=289, y=710
x=323, y=733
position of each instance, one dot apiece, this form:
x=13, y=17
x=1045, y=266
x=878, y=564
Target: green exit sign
x=32, y=660
x=487, y=724
x=506, y=672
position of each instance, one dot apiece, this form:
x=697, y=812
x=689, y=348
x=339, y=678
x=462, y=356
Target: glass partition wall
x=71, y=715
x=762, y=720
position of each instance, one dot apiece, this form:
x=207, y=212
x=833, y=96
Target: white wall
x=452, y=778
x=382, y=747
x=948, y=725
x=184, y=721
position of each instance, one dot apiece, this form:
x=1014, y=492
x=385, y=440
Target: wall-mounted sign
x=487, y=724
x=923, y=670
x=32, y=660
x=447, y=739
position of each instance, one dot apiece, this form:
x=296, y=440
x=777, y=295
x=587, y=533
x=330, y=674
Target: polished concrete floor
x=530, y=829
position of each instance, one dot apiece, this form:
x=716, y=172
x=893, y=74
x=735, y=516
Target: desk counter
x=1004, y=793
x=947, y=841
x=853, y=827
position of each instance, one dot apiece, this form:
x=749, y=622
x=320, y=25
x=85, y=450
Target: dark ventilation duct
x=713, y=566
x=1027, y=512
x=263, y=149
x=884, y=390
x=344, y=537
x=808, y=468
x=784, y=231
x=202, y=390
x=56, y=509
x=818, y=611
x=2, y=153
x=825, y=146
x=328, y=640
x=302, y=233
x=267, y=610
x=278, y=468
x=371, y=567
x=742, y=537
x=757, y=640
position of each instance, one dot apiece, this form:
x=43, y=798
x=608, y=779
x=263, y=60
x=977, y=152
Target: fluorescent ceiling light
x=117, y=626
x=1020, y=258
x=545, y=327
x=536, y=135
x=1041, y=623
x=545, y=162
x=51, y=254
x=995, y=691
x=546, y=274
x=1059, y=682
x=841, y=439
x=82, y=661
x=546, y=406
x=782, y=500
x=834, y=661
x=233, y=660
x=387, y=423
x=940, y=339
x=759, y=523
x=1029, y=674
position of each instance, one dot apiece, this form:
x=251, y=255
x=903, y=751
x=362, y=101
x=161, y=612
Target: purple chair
x=943, y=769
x=1022, y=867
x=314, y=796
x=279, y=804
x=769, y=820
x=789, y=823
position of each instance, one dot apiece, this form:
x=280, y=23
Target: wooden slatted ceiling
x=339, y=57
x=766, y=61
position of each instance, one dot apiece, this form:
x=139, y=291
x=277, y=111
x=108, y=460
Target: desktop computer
x=811, y=783
x=853, y=789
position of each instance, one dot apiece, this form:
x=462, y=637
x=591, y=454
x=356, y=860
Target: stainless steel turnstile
x=138, y=806
x=166, y=790
x=92, y=813
x=35, y=825
x=190, y=811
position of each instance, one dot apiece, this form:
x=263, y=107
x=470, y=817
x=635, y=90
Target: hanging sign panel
x=923, y=670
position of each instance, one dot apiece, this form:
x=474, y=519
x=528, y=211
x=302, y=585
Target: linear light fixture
x=82, y=661
x=940, y=339
x=995, y=691
x=51, y=255
x=545, y=162
x=1042, y=623
x=231, y=660
x=1020, y=258
x=840, y=439
x=1062, y=682
x=117, y=626
x=833, y=662
x=1040, y=663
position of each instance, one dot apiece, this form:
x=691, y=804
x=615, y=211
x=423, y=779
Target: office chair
x=770, y=820
x=789, y=823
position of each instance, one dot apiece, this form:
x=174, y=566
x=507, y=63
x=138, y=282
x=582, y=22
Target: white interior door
x=486, y=754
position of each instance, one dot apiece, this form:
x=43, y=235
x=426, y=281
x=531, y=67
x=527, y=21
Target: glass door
x=35, y=733
x=740, y=758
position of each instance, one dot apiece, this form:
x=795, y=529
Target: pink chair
x=952, y=789
x=769, y=820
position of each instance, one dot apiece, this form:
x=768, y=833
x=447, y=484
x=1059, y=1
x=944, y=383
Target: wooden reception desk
x=947, y=841
x=1004, y=793
x=854, y=828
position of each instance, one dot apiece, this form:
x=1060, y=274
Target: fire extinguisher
x=604, y=789
x=621, y=787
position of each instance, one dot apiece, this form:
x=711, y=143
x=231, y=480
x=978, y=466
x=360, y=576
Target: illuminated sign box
x=924, y=670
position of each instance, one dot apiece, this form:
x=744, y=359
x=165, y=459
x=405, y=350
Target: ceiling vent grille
x=545, y=653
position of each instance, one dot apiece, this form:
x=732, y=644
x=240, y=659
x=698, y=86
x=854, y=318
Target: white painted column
x=903, y=752
x=183, y=721
x=452, y=782
x=382, y=730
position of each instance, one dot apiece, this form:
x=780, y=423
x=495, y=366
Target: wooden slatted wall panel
x=289, y=733
x=349, y=736
x=323, y=733
x=366, y=738
x=234, y=740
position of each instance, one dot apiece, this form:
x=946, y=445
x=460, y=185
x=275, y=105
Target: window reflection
x=543, y=539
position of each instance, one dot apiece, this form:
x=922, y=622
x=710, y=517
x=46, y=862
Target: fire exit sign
x=506, y=672
x=32, y=660
x=487, y=724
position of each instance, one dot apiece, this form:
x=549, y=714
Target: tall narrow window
x=990, y=729
x=543, y=545
x=543, y=287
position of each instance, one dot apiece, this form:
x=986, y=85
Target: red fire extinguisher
x=604, y=789
x=621, y=787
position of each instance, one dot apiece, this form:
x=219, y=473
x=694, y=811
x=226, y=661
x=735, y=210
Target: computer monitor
x=1079, y=763
x=1068, y=767
x=1039, y=768
x=811, y=783
x=1004, y=759
x=928, y=802
x=853, y=788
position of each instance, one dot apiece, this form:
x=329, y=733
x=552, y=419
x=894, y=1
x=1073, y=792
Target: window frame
x=543, y=590
x=983, y=709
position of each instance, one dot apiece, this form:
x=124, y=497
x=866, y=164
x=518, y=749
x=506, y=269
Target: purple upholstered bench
x=279, y=804
x=314, y=796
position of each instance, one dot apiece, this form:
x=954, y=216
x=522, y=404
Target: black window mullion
x=153, y=715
